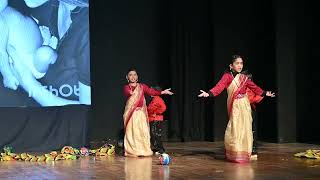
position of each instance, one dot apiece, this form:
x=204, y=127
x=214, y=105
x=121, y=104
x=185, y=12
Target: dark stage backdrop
x=44, y=129
x=125, y=34
x=186, y=45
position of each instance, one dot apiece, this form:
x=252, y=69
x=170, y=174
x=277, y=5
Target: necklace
x=131, y=87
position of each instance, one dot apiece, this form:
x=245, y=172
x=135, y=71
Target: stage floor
x=192, y=160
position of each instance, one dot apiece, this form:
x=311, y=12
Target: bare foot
x=254, y=157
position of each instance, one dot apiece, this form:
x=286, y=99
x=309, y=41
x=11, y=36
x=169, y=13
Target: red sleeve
x=222, y=84
x=253, y=98
x=253, y=87
x=126, y=90
x=161, y=106
x=151, y=107
x=156, y=106
x=150, y=91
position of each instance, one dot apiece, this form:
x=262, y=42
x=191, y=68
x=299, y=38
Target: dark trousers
x=156, y=133
x=254, y=131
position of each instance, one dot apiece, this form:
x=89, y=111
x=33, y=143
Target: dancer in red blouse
x=238, y=135
x=155, y=110
x=136, y=125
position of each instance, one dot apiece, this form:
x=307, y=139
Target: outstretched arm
x=257, y=90
x=153, y=92
x=254, y=98
x=218, y=88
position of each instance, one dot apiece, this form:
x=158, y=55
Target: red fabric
x=156, y=108
x=226, y=80
x=238, y=157
x=146, y=90
x=253, y=98
x=242, y=80
x=253, y=87
x=126, y=90
x=141, y=99
x=150, y=91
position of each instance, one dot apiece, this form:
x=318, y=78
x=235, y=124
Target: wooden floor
x=194, y=160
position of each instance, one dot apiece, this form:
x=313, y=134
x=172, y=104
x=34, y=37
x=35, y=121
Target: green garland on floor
x=310, y=153
x=66, y=153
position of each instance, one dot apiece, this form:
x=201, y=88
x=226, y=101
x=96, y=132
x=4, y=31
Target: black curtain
x=42, y=129
x=186, y=45
x=307, y=59
x=124, y=34
x=190, y=65
x=204, y=36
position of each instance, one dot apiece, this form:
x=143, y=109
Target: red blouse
x=156, y=108
x=226, y=80
x=146, y=90
x=253, y=98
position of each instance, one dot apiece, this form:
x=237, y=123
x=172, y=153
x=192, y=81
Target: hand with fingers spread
x=167, y=91
x=270, y=94
x=203, y=94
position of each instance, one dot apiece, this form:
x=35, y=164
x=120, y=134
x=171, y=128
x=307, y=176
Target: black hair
x=233, y=59
x=132, y=69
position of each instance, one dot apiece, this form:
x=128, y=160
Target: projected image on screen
x=44, y=52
